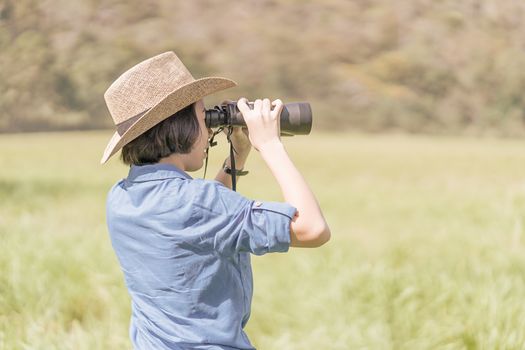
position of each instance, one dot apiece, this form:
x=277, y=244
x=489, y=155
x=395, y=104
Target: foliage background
x=417, y=65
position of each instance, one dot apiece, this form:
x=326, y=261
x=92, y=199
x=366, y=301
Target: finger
x=278, y=107
x=276, y=102
x=257, y=105
x=243, y=106
x=266, y=107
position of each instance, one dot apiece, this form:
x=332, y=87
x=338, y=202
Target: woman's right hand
x=308, y=228
x=262, y=121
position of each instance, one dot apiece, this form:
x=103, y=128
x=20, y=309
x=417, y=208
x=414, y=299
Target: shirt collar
x=157, y=171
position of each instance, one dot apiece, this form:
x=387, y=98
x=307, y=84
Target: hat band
x=122, y=127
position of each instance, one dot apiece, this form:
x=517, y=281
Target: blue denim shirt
x=184, y=246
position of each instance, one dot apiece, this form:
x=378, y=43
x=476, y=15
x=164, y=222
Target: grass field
x=427, y=248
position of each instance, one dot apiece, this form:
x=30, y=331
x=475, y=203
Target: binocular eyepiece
x=295, y=119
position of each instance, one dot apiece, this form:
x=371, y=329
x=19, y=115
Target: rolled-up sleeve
x=238, y=224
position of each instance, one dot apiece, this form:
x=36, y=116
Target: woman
x=184, y=244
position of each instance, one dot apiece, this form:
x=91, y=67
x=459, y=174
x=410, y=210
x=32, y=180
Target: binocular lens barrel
x=295, y=119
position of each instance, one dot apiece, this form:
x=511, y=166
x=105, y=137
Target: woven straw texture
x=150, y=92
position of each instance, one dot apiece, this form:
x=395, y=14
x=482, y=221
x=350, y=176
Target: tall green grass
x=427, y=248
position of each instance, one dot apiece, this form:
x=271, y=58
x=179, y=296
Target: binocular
x=295, y=118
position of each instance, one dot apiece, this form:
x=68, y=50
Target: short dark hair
x=176, y=134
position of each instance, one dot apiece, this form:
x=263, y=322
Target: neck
x=175, y=159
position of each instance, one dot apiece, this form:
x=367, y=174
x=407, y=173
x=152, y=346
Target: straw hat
x=150, y=92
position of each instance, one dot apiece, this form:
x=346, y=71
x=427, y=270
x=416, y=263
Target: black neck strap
x=232, y=160
x=232, y=154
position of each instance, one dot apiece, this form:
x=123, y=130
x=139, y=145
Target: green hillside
x=376, y=65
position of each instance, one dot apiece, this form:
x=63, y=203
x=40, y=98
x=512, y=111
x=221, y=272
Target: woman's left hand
x=241, y=142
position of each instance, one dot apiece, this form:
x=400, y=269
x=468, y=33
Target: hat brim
x=171, y=104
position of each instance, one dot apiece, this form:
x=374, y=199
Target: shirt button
x=257, y=204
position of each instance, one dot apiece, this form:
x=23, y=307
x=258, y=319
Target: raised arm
x=309, y=227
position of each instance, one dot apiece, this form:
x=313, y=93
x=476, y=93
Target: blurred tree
x=417, y=65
